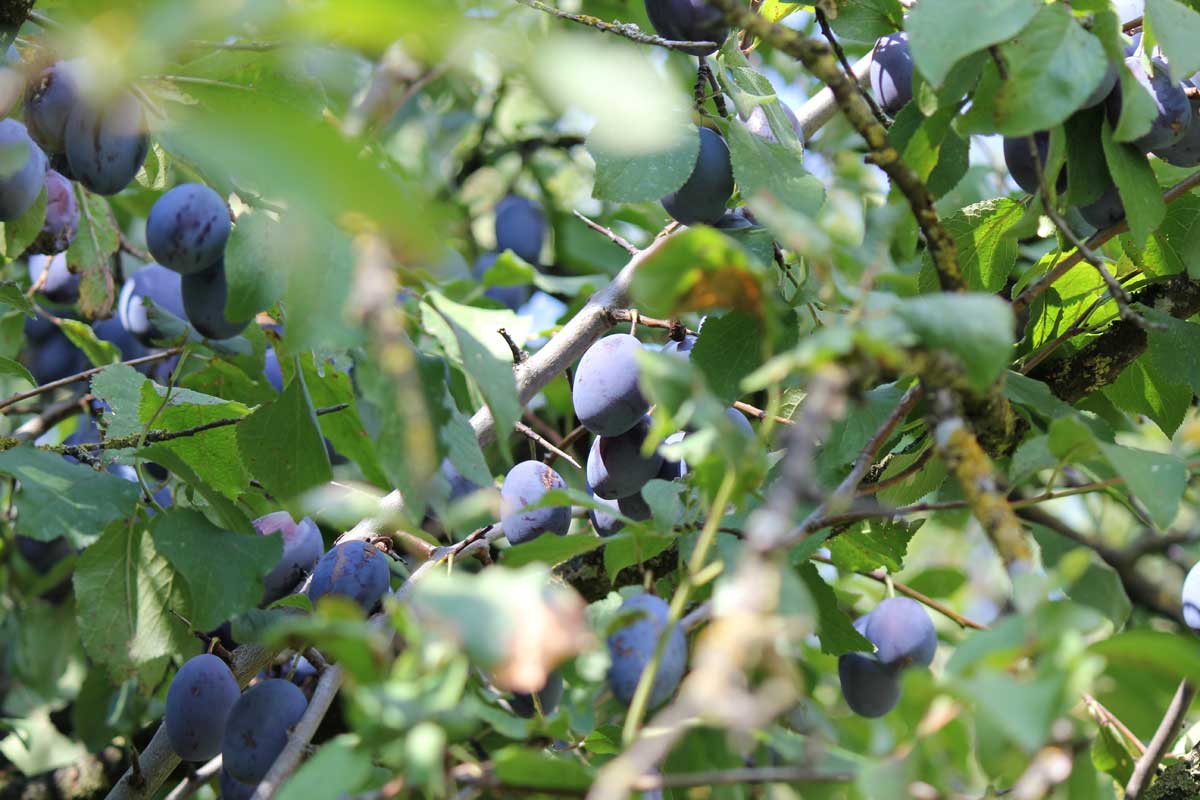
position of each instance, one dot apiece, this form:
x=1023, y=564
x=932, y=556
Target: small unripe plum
x=302, y=548
x=632, y=647
x=688, y=21
x=606, y=396
x=870, y=688
x=258, y=727
x=520, y=227
x=891, y=72
x=24, y=172
x=703, y=197
x=352, y=569
x=616, y=466
x=605, y=520
x=106, y=145
x=60, y=286
x=1171, y=102
x=62, y=216
x=187, y=228
x=204, y=297
x=548, y=698
x=1106, y=211
x=1191, y=598
x=525, y=485
x=201, y=696
x=902, y=633
x=758, y=124
x=1019, y=160
x=155, y=283
x=49, y=100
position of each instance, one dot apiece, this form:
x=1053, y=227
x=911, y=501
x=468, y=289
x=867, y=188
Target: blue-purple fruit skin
x=548, y=698
x=258, y=726
x=740, y=421
x=106, y=145
x=272, y=371
x=902, y=633
x=891, y=72
x=606, y=396
x=1185, y=152
x=688, y=21
x=460, y=486
x=60, y=286
x=20, y=188
x=158, y=284
x=631, y=648
x=683, y=349
x=45, y=556
x=605, y=520
x=758, y=124
x=871, y=689
x=352, y=569
x=204, y=297
x=673, y=470
x=1191, y=598
x=50, y=355
x=511, y=297
x=525, y=485
x=233, y=789
x=187, y=228
x=520, y=227
x=62, y=216
x=703, y=197
x=111, y=330
x=1174, y=111
x=616, y=466
x=1019, y=160
x=302, y=548
x=1106, y=211
x=199, y=700
x=49, y=101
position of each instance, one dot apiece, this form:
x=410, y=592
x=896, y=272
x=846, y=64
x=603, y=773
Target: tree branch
x=1168, y=729
x=626, y=30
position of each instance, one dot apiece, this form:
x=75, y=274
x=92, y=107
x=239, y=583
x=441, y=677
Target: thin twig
x=627, y=30
x=627, y=315
x=83, y=376
x=745, y=775
x=251, y=47
x=1168, y=729
x=518, y=354
x=134, y=250
x=827, y=32
x=614, y=237
x=759, y=414
x=545, y=444
x=192, y=783
x=1100, y=710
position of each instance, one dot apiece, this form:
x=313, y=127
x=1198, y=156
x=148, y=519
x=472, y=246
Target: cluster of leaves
x=341, y=131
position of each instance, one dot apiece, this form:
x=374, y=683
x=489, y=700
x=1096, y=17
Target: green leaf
x=20, y=233
x=1173, y=246
x=1085, y=156
x=550, y=550
x=539, y=769
x=12, y=295
x=252, y=261
x=1158, y=480
x=1175, y=348
x=978, y=328
x=1138, y=108
x=1100, y=587
x=637, y=177
x=90, y=253
x=131, y=591
x=848, y=435
x=281, y=443
x=120, y=386
x=1023, y=710
x=338, y=769
x=218, y=588
x=1111, y=755
x=696, y=270
x=865, y=21
x=98, y=352
x=58, y=498
x=1052, y=68
x=941, y=32
x=729, y=348
x=1144, y=388
x=1144, y=206
x=17, y=370
x=986, y=242
x=344, y=429
x=867, y=547
x=632, y=546
x=1158, y=652
x=773, y=171
x=1176, y=28
x=837, y=632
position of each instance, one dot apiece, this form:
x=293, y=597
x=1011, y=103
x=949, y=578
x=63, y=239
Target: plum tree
x=352, y=569
x=187, y=228
x=106, y=143
x=1106, y=211
x=1019, y=160
x=870, y=688
x=199, y=700
x=520, y=227
x=605, y=394
x=902, y=633
x=157, y=284
x=758, y=124
x=62, y=216
x=205, y=295
x=22, y=182
x=525, y=485
x=703, y=196
x=1174, y=112
x=605, y=520
x=258, y=726
x=302, y=548
x=891, y=72
x=616, y=466
x=49, y=100
x=631, y=647
x=1191, y=598
x=688, y=21
x=60, y=286
x=548, y=698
